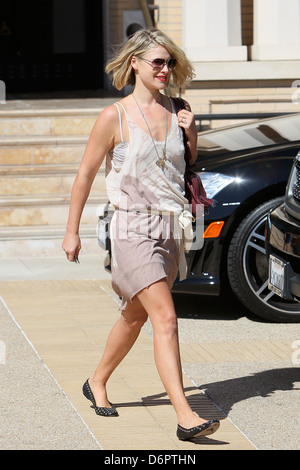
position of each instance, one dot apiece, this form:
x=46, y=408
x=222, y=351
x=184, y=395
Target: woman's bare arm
x=101, y=140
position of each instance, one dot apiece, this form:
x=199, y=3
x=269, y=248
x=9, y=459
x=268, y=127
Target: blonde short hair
x=139, y=44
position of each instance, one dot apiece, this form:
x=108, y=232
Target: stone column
x=276, y=30
x=212, y=30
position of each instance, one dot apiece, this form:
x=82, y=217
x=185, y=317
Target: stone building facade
x=246, y=53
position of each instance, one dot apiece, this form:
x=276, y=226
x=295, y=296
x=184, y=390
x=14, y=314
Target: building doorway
x=51, y=45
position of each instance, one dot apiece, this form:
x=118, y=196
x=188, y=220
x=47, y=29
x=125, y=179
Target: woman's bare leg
x=120, y=340
x=157, y=301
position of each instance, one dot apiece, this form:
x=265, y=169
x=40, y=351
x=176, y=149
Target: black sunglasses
x=160, y=63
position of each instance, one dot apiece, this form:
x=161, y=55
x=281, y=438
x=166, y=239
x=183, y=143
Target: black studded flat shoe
x=99, y=410
x=202, y=430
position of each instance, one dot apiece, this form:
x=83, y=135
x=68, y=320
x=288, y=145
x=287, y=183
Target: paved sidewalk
x=52, y=335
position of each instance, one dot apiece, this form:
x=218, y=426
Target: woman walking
x=142, y=140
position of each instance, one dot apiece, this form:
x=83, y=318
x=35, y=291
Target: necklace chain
x=161, y=160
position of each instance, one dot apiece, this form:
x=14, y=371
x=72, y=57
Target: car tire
x=247, y=266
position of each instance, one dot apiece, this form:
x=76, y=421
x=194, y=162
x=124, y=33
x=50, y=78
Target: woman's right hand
x=101, y=140
x=71, y=245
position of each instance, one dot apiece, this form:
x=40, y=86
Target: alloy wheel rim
x=255, y=268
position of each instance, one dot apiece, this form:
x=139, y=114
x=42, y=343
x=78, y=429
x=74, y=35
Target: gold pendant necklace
x=161, y=160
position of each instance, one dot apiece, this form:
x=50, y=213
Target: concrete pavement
x=55, y=317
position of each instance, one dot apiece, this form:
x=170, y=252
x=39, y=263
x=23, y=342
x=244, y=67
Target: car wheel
x=247, y=265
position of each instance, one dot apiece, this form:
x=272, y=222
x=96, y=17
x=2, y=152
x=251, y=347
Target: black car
x=245, y=169
x=283, y=243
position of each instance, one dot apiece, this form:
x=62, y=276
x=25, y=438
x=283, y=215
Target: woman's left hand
x=186, y=120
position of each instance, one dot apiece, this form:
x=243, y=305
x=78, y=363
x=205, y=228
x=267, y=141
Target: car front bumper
x=283, y=248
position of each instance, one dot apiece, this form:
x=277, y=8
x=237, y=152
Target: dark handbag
x=194, y=189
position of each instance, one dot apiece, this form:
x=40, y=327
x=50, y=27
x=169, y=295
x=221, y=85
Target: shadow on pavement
x=229, y=392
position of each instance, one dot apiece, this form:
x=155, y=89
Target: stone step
x=41, y=150
x=21, y=242
x=41, y=200
x=37, y=211
x=48, y=122
x=43, y=248
x=38, y=170
x=47, y=126
x=41, y=181
x=41, y=146
x=44, y=232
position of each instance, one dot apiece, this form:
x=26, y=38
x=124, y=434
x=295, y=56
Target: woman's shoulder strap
x=178, y=104
x=117, y=105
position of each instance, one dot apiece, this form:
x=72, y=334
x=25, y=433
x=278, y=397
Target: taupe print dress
x=145, y=235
